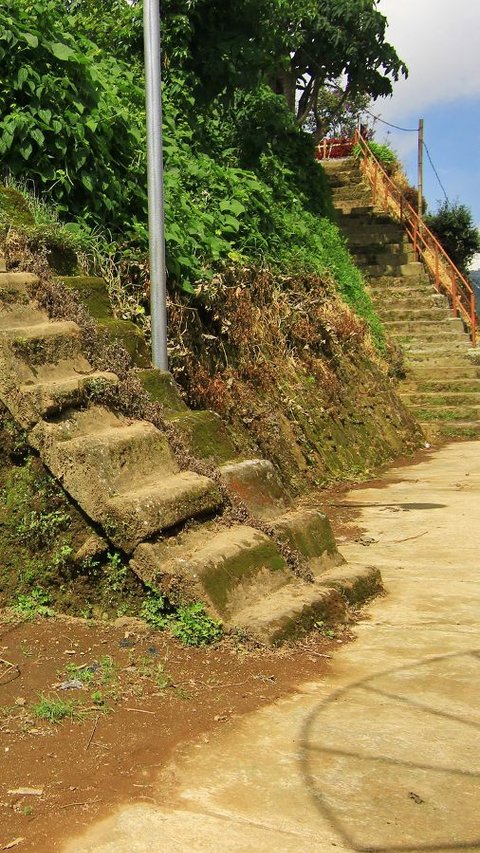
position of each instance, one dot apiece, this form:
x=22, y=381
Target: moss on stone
x=14, y=210
x=130, y=336
x=206, y=436
x=93, y=292
x=161, y=388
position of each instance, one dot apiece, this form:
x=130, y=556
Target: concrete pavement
x=383, y=754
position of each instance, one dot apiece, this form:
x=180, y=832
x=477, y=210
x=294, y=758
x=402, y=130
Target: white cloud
x=440, y=42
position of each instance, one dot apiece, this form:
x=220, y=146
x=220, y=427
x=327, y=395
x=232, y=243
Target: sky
x=439, y=40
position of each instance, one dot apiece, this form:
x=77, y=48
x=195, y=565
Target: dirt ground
x=134, y=696
x=144, y=695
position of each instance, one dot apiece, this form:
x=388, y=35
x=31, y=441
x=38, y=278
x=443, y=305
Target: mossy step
x=228, y=567
x=447, y=398
x=431, y=371
x=257, y=484
x=92, y=291
x=122, y=473
x=205, y=436
x=162, y=388
x=413, y=334
x=458, y=385
x=309, y=532
x=384, y=258
x=412, y=270
x=295, y=609
x=445, y=413
x=403, y=311
x=458, y=429
x=156, y=505
x=446, y=322
x=17, y=283
x=53, y=388
x=43, y=342
x=357, y=192
x=130, y=337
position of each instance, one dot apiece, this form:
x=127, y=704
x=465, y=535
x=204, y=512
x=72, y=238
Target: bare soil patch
x=138, y=695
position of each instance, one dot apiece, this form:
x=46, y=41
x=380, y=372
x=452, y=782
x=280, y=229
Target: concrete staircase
x=442, y=384
x=124, y=476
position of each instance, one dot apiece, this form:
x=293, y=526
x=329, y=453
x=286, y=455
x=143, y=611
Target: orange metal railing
x=446, y=276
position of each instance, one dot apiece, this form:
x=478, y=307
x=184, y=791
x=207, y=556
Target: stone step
x=309, y=532
x=345, y=178
x=15, y=284
x=257, y=484
x=424, y=414
x=357, y=192
x=122, y=473
x=156, y=505
x=428, y=372
x=413, y=270
x=425, y=330
x=446, y=398
x=441, y=347
x=383, y=258
x=453, y=385
x=458, y=429
x=374, y=235
x=295, y=609
x=51, y=389
x=43, y=343
x=403, y=311
x=229, y=567
x=353, y=208
x=205, y=436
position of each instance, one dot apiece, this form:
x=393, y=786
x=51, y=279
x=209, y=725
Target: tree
x=454, y=227
x=345, y=39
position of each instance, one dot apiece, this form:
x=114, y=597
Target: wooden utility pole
x=420, y=168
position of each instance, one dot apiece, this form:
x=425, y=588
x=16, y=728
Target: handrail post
x=415, y=235
x=437, y=270
x=454, y=294
x=375, y=171
x=473, y=317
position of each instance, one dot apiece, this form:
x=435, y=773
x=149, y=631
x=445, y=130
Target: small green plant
x=54, y=710
x=115, y=571
x=194, y=627
x=34, y=603
x=41, y=528
x=85, y=674
x=98, y=698
x=323, y=629
x=153, y=610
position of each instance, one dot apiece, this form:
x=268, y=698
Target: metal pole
x=420, y=168
x=156, y=218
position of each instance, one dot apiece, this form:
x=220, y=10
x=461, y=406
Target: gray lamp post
x=156, y=218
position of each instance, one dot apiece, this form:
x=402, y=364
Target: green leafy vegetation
x=384, y=154
x=191, y=624
x=454, y=227
x=241, y=184
x=32, y=604
x=54, y=710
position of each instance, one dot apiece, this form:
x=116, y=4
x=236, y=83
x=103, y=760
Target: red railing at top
x=446, y=276
x=334, y=149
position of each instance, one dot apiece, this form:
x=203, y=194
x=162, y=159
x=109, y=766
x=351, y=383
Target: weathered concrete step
x=447, y=398
x=122, y=473
x=15, y=316
x=459, y=429
x=414, y=340
x=350, y=193
x=205, y=435
x=54, y=388
x=158, y=504
x=229, y=567
x=43, y=342
x=443, y=325
x=256, y=483
x=345, y=178
x=15, y=284
x=438, y=349
x=309, y=532
x=295, y=609
x=353, y=208
x=413, y=270
x=374, y=235
x=452, y=385
x=425, y=414
x=428, y=371
x=402, y=310
x=387, y=260
x=393, y=249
